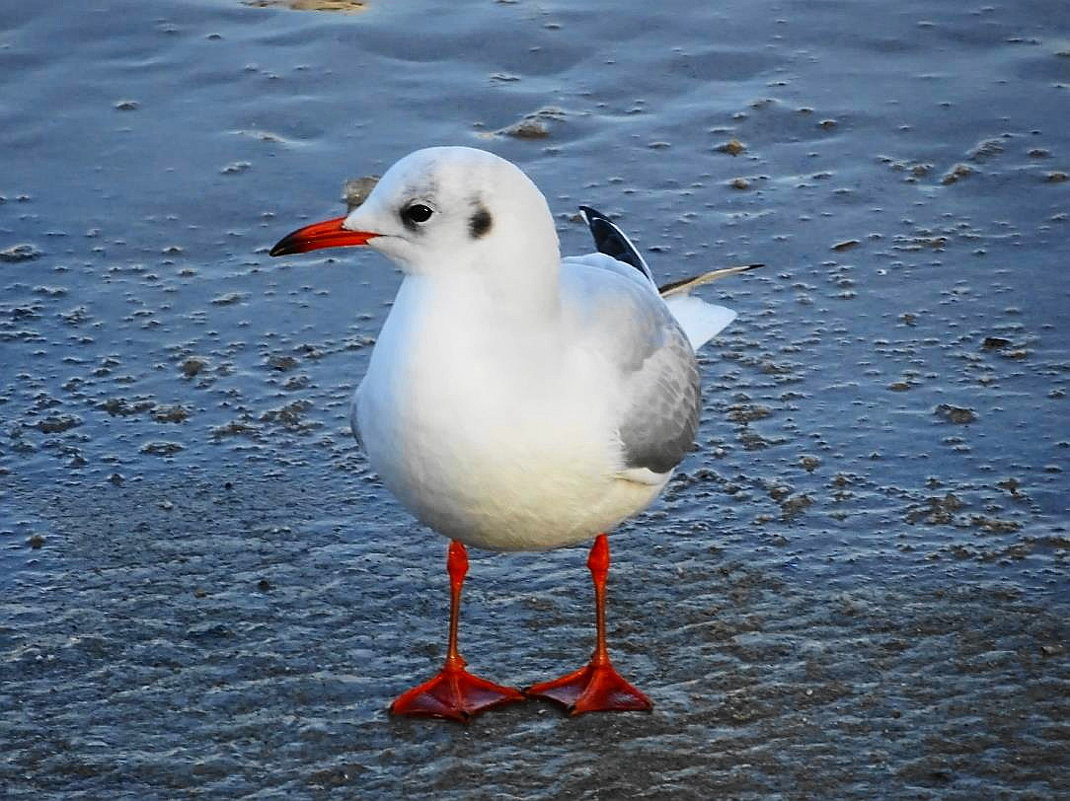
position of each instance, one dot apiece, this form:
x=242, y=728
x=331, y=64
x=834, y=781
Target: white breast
x=497, y=457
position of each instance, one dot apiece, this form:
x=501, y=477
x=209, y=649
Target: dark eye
x=417, y=213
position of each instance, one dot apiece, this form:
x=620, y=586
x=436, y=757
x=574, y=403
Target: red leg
x=596, y=687
x=454, y=693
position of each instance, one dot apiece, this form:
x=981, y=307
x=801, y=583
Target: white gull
x=516, y=400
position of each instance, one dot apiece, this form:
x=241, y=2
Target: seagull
x=516, y=400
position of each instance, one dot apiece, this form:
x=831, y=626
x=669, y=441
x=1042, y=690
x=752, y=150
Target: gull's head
x=441, y=209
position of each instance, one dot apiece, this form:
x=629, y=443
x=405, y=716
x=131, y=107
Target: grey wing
x=661, y=418
x=629, y=324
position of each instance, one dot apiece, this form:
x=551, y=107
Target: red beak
x=326, y=234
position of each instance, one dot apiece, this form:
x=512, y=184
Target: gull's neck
x=513, y=276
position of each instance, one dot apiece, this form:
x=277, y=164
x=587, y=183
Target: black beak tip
x=282, y=247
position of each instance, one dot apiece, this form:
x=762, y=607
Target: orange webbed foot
x=596, y=687
x=454, y=694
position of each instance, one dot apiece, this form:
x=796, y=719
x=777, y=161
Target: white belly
x=504, y=460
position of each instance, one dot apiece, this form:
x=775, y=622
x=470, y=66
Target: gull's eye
x=416, y=213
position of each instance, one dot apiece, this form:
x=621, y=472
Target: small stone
x=193, y=365
x=57, y=424
x=528, y=129
x=793, y=507
x=956, y=414
x=22, y=252
x=986, y=149
x=160, y=448
x=337, y=6
x=533, y=126
x=956, y=174
x=732, y=147
x=356, y=190
x=282, y=363
x=170, y=414
x=235, y=168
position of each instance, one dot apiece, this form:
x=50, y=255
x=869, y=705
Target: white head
x=447, y=209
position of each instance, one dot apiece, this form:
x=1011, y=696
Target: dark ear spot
x=479, y=223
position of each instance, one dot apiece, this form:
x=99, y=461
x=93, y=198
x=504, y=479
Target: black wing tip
x=590, y=213
x=612, y=241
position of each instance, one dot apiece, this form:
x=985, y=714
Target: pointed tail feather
x=700, y=320
x=685, y=285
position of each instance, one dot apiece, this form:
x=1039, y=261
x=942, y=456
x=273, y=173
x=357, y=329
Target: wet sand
x=856, y=587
